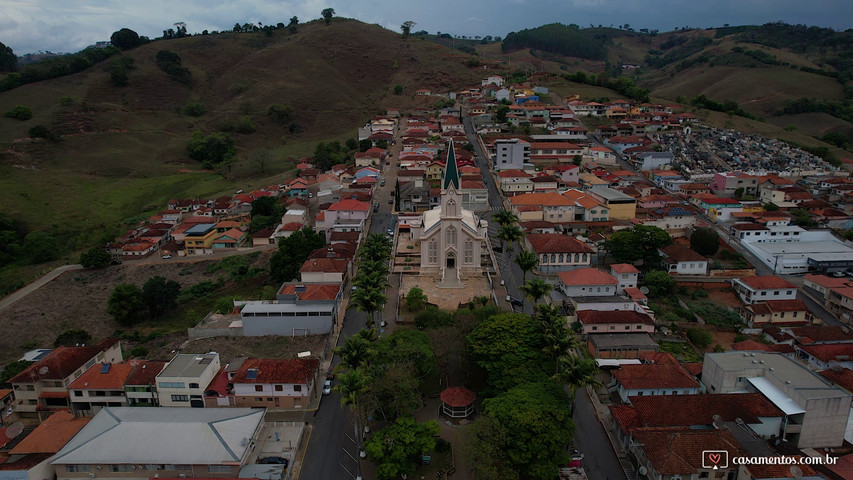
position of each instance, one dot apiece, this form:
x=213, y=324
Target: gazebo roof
x=458, y=397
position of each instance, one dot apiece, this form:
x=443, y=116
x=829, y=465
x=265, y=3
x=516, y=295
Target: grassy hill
x=122, y=150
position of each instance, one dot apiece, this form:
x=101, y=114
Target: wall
x=287, y=326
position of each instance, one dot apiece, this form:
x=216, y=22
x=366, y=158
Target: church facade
x=453, y=241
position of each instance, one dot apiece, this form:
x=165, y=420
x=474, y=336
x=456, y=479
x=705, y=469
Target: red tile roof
x=61, y=362
x=328, y=265
x=52, y=434
x=824, y=333
x=350, y=205
x=843, y=378
x=458, y=397
x=843, y=467
x=144, y=372
x=549, y=198
x=680, y=451
x=680, y=253
x=751, y=346
x=624, y=268
x=513, y=174
x=312, y=291
x=766, y=282
x=695, y=410
x=595, y=317
x=113, y=379
x=277, y=370
x=640, y=377
x=587, y=276
x=556, y=243
x=626, y=417
x=829, y=352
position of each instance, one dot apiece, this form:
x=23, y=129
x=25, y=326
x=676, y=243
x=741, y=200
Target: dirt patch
x=78, y=300
x=725, y=297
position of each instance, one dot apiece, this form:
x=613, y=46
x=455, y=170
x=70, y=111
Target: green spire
x=451, y=171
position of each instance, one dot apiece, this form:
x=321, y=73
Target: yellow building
x=434, y=171
x=199, y=239
x=621, y=206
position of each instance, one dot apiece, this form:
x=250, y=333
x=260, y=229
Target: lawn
x=681, y=351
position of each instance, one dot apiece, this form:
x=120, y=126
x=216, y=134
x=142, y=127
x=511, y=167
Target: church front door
x=451, y=261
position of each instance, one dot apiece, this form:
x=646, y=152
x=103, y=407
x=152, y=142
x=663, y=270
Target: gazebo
x=457, y=402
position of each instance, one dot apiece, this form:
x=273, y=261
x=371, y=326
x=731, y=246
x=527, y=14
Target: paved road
x=22, y=292
x=599, y=460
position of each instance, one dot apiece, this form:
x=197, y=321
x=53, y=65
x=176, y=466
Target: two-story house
x=762, y=288
x=182, y=381
x=271, y=383
x=514, y=182
x=102, y=385
x=559, y=253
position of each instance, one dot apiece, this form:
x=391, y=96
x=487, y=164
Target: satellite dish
x=642, y=470
x=644, y=290
x=717, y=419
x=836, y=368
x=14, y=429
x=43, y=370
x=796, y=471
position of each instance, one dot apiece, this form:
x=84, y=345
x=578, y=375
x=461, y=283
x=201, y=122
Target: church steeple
x=451, y=171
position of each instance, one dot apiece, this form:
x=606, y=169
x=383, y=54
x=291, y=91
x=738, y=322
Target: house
x=727, y=184
x=549, y=206
x=717, y=208
x=682, y=260
x=230, y=239
x=626, y=274
x=621, y=206
x=41, y=387
x=669, y=454
x=628, y=321
x=653, y=160
x=620, y=345
x=275, y=383
x=198, y=239
x=140, y=387
x=587, y=282
x=325, y=270
x=514, y=182
x=543, y=182
x=816, y=411
x=263, y=237
x=142, y=443
x=586, y=207
x=102, y=385
x=777, y=311
x=824, y=356
x=761, y=288
x=30, y=458
x=511, y=154
x=348, y=215
x=299, y=309
x=558, y=253
x=181, y=383
x=654, y=379
x=561, y=152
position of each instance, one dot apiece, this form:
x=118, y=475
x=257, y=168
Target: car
x=310, y=195
x=390, y=201
x=115, y=262
x=274, y=461
x=166, y=257
x=390, y=232
x=382, y=183
x=330, y=375
x=837, y=274
x=387, y=162
x=514, y=301
x=375, y=207
x=327, y=387
x=503, y=282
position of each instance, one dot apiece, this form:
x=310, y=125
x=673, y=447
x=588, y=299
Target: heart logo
x=714, y=457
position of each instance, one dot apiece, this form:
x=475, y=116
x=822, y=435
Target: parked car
x=274, y=461
x=390, y=201
x=514, y=301
x=375, y=207
x=390, y=232
x=327, y=387
x=330, y=374
x=166, y=257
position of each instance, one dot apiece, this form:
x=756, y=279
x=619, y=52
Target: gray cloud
x=66, y=26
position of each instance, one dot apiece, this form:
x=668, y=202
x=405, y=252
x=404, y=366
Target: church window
x=553, y=258
x=584, y=258
x=577, y=258
x=451, y=236
x=469, y=251
x=451, y=208
x=432, y=254
x=561, y=258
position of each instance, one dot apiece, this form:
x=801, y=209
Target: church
x=453, y=241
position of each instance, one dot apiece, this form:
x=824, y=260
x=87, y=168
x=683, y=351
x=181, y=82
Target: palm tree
x=368, y=300
x=576, y=372
x=369, y=279
x=536, y=289
x=351, y=385
x=510, y=233
x=505, y=217
x=355, y=352
x=558, y=339
x=527, y=261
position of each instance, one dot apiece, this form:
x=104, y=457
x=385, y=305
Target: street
x=599, y=460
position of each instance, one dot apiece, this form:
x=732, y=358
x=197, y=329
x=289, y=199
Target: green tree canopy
x=406, y=27
x=705, y=241
x=701, y=338
x=537, y=425
x=40, y=247
x=327, y=15
x=212, y=149
x=526, y=260
x=536, y=289
x=19, y=112
x=509, y=347
x=659, y=283
x=8, y=59
x=397, y=449
x=12, y=369
x=160, y=295
x=415, y=299
x=127, y=304
x=355, y=352
x=640, y=242
x=95, y=257
x=292, y=253
x=70, y=338
x=125, y=39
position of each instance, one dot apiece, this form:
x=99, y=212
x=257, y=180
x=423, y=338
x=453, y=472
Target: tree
x=327, y=14
x=280, y=113
x=406, y=27
x=705, y=241
x=19, y=112
x=537, y=425
x=510, y=233
x=8, y=59
x=556, y=336
x=396, y=449
x=125, y=39
x=699, y=337
x=95, y=257
x=356, y=352
x=526, y=261
x=292, y=253
x=160, y=295
x=352, y=144
x=771, y=207
x=398, y=89
x=509, y=347
x=640, y=242
x=70, y=338
x=660, y=283
x=40, y=247
x=368, y=300
x=536, y=289
x=505, y=217
x=12, y=369
x=485, y=447
x=364, y=145
x=126, y=304
x=415, y=299
x=576, y=372
x=500, y=113
x=294, y=21
x=213, y=149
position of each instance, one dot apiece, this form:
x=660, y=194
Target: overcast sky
x=70, y=25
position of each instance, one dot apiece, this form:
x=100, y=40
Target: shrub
x=195, y=109
x=244, y=125
x=19, y=112
x=699, y=337
x=138, y=351
x=95, y=257
x=66, y=101
x=432, y=317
